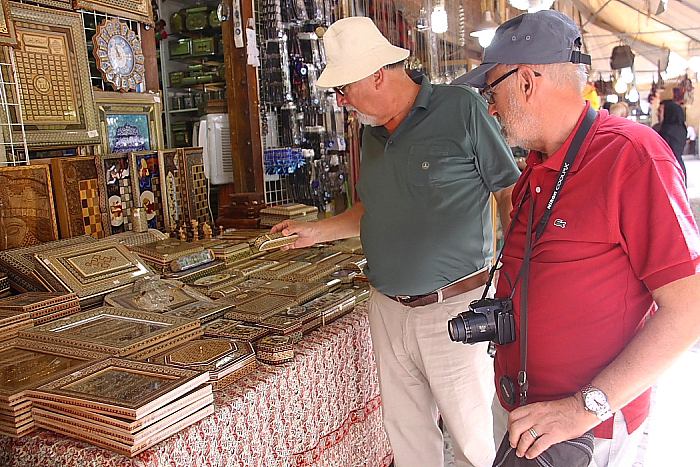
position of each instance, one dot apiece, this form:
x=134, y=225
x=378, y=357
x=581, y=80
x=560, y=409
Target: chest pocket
x=438, y=164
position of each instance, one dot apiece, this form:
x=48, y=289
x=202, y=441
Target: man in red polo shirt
x=614, y=288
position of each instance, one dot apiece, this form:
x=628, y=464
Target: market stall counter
x=323, y=408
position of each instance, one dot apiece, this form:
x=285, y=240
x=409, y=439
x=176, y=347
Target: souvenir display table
x=321, y=409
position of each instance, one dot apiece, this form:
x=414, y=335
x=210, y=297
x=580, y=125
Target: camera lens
x=457, y=329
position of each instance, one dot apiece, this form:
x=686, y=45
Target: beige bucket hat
x=354, y=50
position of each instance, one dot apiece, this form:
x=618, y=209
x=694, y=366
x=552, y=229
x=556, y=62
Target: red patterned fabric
x=322, y=409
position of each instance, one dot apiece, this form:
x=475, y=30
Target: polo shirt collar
x=426, y=91
x=555, y=161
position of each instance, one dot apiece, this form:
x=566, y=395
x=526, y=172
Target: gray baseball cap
x=540, y=38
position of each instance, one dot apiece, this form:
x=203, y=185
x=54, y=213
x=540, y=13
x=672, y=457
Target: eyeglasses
x=487, y=91
x=339, y=89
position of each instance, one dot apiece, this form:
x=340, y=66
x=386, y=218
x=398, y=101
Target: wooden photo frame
x=115, y=191
x=129, y=121
x=56, y=100
x=147, y=186
x=26, y=201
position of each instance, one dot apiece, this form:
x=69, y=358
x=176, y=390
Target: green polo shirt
x=425, y=189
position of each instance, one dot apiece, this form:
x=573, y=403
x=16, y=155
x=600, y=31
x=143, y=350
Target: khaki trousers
x=423, y=374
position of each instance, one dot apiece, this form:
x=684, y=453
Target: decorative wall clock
x=118, y=53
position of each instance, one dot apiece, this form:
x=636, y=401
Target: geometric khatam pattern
x=200, y=198
x=90, y=202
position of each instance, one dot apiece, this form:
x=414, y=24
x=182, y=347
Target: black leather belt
x=465, y=285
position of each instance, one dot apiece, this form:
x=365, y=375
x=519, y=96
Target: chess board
x=116, y=200
x=77, y=196
x=194, y=185
x=90, y=203
x=146, y=186
x=56, y=97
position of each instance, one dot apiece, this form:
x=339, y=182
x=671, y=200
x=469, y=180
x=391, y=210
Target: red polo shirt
x=622, y=227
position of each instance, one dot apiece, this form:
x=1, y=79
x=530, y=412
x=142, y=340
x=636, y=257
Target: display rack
x=192, y=67
x=13, y=151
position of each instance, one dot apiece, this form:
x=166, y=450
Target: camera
x=488, y=319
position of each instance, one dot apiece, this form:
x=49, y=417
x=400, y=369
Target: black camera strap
x=524, y=274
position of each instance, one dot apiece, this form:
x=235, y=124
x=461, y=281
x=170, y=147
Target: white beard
x=363, y=118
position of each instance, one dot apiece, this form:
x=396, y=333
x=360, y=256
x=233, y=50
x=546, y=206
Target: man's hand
x=307, y=231
x=552, y=422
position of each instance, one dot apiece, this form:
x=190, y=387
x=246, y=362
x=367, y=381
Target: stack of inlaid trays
x=230, y=252
x=123, y=405
x=4, y=285
x=29, y=309
x=259, y=308
x=130, y=238
x=92, y=270
x=173, y=255
x=332, y=305
x=275, y=350
x=348, y=245
x=360, y=290
x=190, y=275
x=25, y=365
x=201, y=311
x=283, y=325
x=313, y=272
x=250, y=266
x=117, y=331
x=300, y=292
x=234, y=329
x=310, y=318
x=210, y=284
x=293, y=211
x=279, y=270
x=242, y=235
x=226, y=360
x=21, y=265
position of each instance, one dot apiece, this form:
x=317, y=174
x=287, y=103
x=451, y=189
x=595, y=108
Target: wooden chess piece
x=183, y=234
x=206, y=231
x=221, y=231
x=195, y=229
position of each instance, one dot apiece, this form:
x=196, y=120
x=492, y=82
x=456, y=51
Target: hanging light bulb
x=438, y=19
x=620, y=86
x=422, y=21
x=633, y=95
x=626, y=75
x=612, y=98
x=486, y=29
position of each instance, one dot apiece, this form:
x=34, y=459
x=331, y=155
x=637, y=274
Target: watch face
x=595, y=400
x=121, y=55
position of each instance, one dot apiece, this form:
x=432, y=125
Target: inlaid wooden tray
x=275, y=350
x=173, y=294
x=201, y=311
x=92, y=270
x=235, y=330
x=280, y=270
x=111, y=330
x=260, y=308
x=272, y=241
x=121, y=388
x=300, y=292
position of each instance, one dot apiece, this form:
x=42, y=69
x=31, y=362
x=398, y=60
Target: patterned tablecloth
x=321, y=409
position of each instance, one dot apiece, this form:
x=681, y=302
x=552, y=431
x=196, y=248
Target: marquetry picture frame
x=7, y=25
x=194, y=185
x=147, y=186
x=115, y=192
x=129, y=121
x=26, y=202
x=169, y=160
x=139, y=10
x=56, y=99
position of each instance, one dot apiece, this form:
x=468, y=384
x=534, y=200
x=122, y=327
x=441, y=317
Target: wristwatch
x=595, y=400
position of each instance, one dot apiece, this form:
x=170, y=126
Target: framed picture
x=7, y=27
x=129, y=122
x=116, y=197
x=26, y=203
x=76, y=189
x=146, y=186
x=140, y=10
x=56, y=97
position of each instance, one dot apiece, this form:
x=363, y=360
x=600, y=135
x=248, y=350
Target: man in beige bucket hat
x=431, y=158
